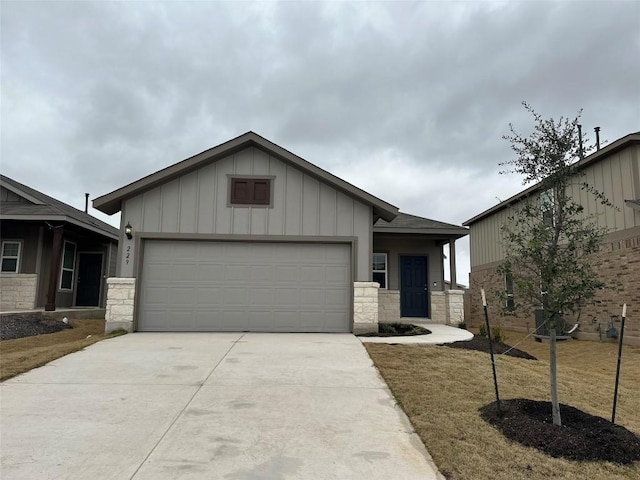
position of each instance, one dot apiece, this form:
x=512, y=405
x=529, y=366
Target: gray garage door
x=245, y=286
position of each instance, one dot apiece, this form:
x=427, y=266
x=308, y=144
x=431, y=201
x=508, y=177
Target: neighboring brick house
x=613, y=170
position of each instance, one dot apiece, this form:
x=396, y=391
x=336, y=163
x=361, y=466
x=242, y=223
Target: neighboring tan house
x=52, y=255
x=247, y=236
x=613, y=170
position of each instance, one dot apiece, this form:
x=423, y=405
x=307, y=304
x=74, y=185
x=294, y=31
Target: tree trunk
x=553, y=383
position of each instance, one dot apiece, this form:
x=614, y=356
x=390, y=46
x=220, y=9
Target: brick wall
x=18, y=291
x=617, y=261
x=388, y=306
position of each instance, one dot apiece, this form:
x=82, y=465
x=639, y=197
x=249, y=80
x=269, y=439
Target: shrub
x=462, y=325
x=497, y=334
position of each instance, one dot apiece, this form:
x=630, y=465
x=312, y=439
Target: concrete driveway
x=209, y=406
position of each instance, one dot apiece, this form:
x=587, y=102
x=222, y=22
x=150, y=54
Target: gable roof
x=406, y=223
x=595, y=157
x=112, y=202
x=43, y=207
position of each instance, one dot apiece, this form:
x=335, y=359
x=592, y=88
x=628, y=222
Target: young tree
x=548, y=239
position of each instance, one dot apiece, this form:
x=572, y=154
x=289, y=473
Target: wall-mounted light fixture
x=128, y=229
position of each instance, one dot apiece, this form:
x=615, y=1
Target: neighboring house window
x=380, y=269
x=546, y=207
x=10, y=256
x=68, y=266
x=250, y=191
x=508, y=287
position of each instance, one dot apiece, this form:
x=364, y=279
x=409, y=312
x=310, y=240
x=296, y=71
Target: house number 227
x=128, y=254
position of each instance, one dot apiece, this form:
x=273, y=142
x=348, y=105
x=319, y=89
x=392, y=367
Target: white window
x=68, y=266
x=10, y=256
x=380, y=269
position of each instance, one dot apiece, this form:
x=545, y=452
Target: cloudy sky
x=407, y=100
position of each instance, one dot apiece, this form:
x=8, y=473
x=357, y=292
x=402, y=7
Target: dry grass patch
x=441, y=390
x=22, y=354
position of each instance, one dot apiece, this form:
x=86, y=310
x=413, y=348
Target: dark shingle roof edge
x=407, y=223
x=49, y=208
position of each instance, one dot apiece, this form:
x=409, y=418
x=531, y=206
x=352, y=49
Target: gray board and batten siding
x=197, y=203
x=616, y=174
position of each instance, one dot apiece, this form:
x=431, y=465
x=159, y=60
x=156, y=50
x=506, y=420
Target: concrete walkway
x=439, y=334
x=209, y=405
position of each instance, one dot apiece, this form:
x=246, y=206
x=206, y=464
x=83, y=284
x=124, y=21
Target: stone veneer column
x=388, y=306
x=365, y=307
x=121, y=294
x=454, y=306
x=18, y=291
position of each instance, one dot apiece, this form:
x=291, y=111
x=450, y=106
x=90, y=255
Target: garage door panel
x=261, y=273
x=313, y=274
x=209, y=272
x=334, y=320
x=287, y=273
x=252, y=286
x=236, y=273
x=337, y=298
x=337, y=274
x=287, y=296
x=234, y=296
x=261, y=297
x=310, y=297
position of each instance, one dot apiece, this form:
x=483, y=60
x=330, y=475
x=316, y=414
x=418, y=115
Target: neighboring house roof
x=46, y=208
x=597, y=156
x=405, y=223
x=112, y=202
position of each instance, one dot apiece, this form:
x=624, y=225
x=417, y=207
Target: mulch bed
x=28, y=324
x=581, y=437
x=397, y=330
x=481, y=344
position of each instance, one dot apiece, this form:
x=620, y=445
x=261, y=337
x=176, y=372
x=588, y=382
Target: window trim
x=232, y=202
x=385, y=271
x=509, y=301
x=17, y=257
x=63, y=269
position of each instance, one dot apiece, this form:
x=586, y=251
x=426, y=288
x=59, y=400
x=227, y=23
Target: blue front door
x=413, y=287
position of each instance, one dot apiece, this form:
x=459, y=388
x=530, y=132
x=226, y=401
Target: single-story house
x=52, y=255
x=247, y=236
x=613, y=170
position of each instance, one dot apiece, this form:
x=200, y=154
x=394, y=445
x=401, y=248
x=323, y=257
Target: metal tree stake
x=615, y=393
x=493, y=362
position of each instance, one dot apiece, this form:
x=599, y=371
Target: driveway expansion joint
x=186, y=405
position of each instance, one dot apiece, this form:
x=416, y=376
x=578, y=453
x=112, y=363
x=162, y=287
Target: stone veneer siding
x=454, y=300
x=365, y=307
x=18, y=291
x=120, y=304
x=616, y=261
x=438, y=308
x=388, y=306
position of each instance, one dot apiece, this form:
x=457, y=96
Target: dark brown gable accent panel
x=250, y=191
